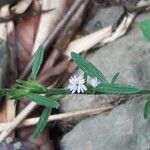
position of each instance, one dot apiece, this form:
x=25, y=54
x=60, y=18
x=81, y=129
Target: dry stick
x=31, y=106
x=54, y=34
x=17, y=121
x=86, y=112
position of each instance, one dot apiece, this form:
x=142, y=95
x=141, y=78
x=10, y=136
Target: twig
x=33, y=121
x=87, y=42
x=54, y=34
x=17, y=120
x=121, y=30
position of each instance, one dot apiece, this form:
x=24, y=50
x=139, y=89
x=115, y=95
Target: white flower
x=94, y=82
x=77, y=84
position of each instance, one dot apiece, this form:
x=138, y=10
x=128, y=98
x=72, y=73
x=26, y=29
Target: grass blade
x=42, y=122
x=88, y=67
x=115, y=78
x=18, y=93
x=5, y=91
x=38, y=58
x=116, y=89
x=145, y=27
x=57, y=91
x=147, y=109
x=41, y=100
x=33, y=86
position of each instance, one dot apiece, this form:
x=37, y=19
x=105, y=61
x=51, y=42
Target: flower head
x=77, y=84
x=94, y=82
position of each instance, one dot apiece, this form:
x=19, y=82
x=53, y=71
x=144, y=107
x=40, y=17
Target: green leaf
x=88, y=67
x=38, y=58
x=57, y=97
x=4, y=91
x=144, y=91
x=145, y=27
x=33, y=86
x=115, y=78
x=42, y=122
x=90, y=89
x=18, y=93
x=57, y=91
x=41, y=100
x=116, y=89
x=147, y=109
x=85, y=77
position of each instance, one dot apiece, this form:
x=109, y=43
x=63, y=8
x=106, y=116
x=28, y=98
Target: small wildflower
x=77, y=84
x=94, y=82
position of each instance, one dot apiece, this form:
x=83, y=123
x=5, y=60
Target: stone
x=130, y=4
x=103, y=18
x=123, y=128
x=79, y=102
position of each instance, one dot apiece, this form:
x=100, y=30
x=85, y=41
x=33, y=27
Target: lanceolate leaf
x=116, y=89
x=42, y=100
x=57, y=97
x=57, y=91
x=33, y=86
x=115, y=78
x=18, y=93
x=144, y=91
x=145, y=27
x=5, y=92
x=147, y=109
x=88, y=67
x=38, y=58
x=42, y=122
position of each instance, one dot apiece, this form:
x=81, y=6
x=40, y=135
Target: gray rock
x=129, y=4
x=79, y=102
x=104, y=18
x=124, y=128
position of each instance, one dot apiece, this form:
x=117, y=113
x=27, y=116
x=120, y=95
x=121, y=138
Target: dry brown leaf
x=25, y=35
